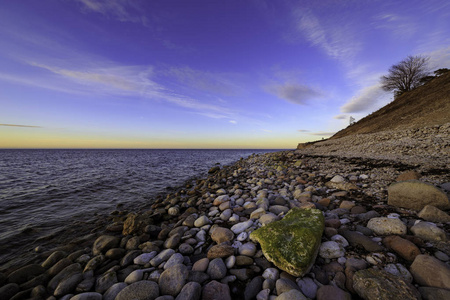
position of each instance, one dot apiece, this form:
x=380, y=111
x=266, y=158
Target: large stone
x=292, y=243
x=25, y=273
x=429, y=271
x=191, y=291
x=173, y=279
x=428, y=232
x=372, y=284
x=220, y=251
x=216, y=291
x=142, y=290
x=433, y=214
x=429, y=293
x=387, y=226
x=221, y=234
x=105, y=242
x=416, y=195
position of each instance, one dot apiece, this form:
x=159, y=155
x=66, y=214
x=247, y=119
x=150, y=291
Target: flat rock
x=372, y=284
x=220, y=251
x=416, y=195
x=216, y=291
x=433, y=214
x=173, y=279
x=142, y=290
x=387, y=226
x=431, y=272
x=292, y=243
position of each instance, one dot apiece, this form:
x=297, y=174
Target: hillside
x=424, y=106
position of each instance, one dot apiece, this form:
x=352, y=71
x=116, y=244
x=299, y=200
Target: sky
x=202, y=73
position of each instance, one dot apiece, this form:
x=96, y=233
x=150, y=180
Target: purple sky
x=202, y=74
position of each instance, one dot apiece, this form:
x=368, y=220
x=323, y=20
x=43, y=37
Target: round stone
x=331, y=249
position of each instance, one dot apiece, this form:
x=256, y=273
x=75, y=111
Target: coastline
x=258, y=188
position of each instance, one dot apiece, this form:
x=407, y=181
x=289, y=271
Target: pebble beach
x=385, y=233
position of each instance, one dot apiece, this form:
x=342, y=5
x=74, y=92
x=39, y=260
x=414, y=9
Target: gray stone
x=173, y=241
x=85, y=285
x=253, y=287
x=175, y=259
x=105, y=281
x=283, y=285
x=9, y=290
x=263, y=294
x=291, y=295
x=190, y=291
x=66, y=272
x=173, y=279
x=217, y=269
x=144, y=258
x=331, y=249
x=162, y=256
x=53, y=259
x=327, y=292
x=202, y=221
x=67, y=285
x=387, y=226
x=94, y=263
x=433, y=214
x=241, y=227
x=372, y=284
x=25, y=273
x=114, y=290
x=221, y=234
x=429, y=271
x=248, y=249
x=87, y=296
x=103, y=243
x=129, y=257
x=134, y=276
x=216, y=291
x=308, y=287
x=141, y=290
x=357, y=239
x=416, y=195
x=400, y=271
x=428, y=232
x=431, y=293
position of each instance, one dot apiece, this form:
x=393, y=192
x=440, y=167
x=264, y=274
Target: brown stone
x=327, y=292
x=402, y=247
x=433, y=214
x=429, y=271
x=221, y=234
x=220, y=251
x=216, y=291
x=324, y=202
x=333, y=223
x=408, y=175
x=416, y=195
x=347, y=204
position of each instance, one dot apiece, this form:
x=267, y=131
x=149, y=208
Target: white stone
x=144, y=258
x=230, y=261
x=340, y=240
x=337, y=179
x=248, y=249
x=331, y=250
x=387, y=226
x=271, y=273
x=241, y=227
x=234, y=218
x=242, y=236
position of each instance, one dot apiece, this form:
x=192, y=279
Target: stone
x=9, y=290
x=416, y=195
x=387, y=226
x=433, y=214
x=66, y=272
x=185, y=248
x=428, y=232
x=253, y=287
x=340, y=240
x=175, y=259
x=115, y=253
x=53, y=259
x=216, y=291
x=105, y=281
x=68, y=284
x=283, y=285
x=103, y=243
x=278, y=209
x=347, y=204
x=199, y=277
x=129, y=257
x=134, y=276
x=221, y=235
x=373, y=284
x=308, y=287
x=400, y=271
x=142, y=290
x=87, y=296
x=25, y=273
x=344, y=186
x=241, y=227
x=268, y=218
x=114, y=290
x=220, y=251
x=94, y=263
x=263, y=294
x=271, y=273
x=430, y=293
x=242, y=260
x=327, y=292
x=248, y=249
x=358, y=239
x=216, y=269
x=162, y=256
x=201, y=265
x=144, y=258
x=291, y=295
x=202, y=221
x=337, y=179
x=429, y=271
x=173, y=241
x=331, y=249
x=173, y=279
x=408, y=175
x=292, y=243
x=190, y=291
x=403, y=247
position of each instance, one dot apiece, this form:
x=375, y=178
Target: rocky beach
x=361, y=217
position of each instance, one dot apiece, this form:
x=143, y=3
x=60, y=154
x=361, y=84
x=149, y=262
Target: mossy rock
x=292, y=243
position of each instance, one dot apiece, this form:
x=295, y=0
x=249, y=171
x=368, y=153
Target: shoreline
x=284, y=179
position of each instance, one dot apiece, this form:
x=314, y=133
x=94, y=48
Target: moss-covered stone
x=292, y=243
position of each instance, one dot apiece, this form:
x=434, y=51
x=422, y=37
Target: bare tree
x=406, y=75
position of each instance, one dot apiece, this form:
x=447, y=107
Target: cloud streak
x=120, y=10
x=367, y=98
x=17, y=125
x=294, y=93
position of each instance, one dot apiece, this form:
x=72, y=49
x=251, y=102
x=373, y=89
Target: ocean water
x=51, y=196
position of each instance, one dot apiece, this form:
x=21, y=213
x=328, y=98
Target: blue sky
x=202, y=74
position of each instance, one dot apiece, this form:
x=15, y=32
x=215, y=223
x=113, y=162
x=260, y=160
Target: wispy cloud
x=323, y=133
x=17, y=125
x=233, y=122
x=294, y=93
x=400, y=26
x=336, y=41
x=303, y=130
x=367, y=98
x=121, y=10
x=341, y=117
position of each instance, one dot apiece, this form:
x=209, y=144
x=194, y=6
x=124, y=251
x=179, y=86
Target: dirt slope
x=425, y=106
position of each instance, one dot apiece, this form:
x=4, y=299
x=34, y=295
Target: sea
x=48, y=197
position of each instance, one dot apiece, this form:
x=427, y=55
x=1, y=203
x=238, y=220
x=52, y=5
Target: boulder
x=416, y=195
x=372, y=284
x=429, y=271
x=433, y=214
x=143, y=290
x=292, y=243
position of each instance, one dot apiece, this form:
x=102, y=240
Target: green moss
x=292, y=243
